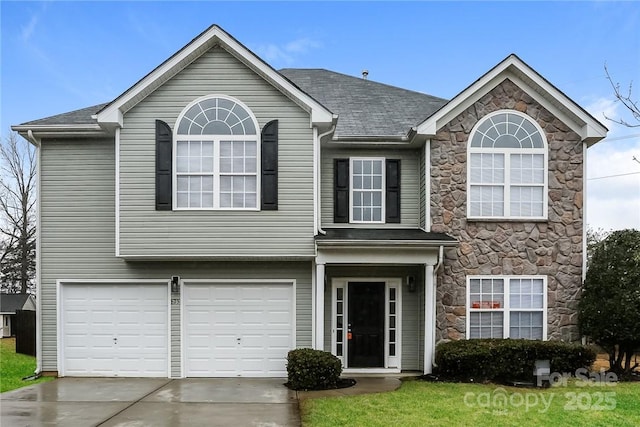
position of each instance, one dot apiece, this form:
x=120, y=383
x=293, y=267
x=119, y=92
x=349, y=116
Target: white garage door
x=237, y=330
x=114, y=330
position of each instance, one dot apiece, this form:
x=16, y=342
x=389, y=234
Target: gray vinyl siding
x=409, y=184
x=78, y=242
x=285, y=232
x=175, y=340
x=412, y=304
x=423, y=209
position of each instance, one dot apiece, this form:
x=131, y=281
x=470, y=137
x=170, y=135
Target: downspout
x=32, y=139
x=433, y=309
x=317, y=189
x=584, y=211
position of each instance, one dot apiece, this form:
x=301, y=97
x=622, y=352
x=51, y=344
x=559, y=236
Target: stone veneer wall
x=552, y=248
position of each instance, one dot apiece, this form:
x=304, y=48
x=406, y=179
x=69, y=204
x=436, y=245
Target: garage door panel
x=115, y=330
x=250, y=329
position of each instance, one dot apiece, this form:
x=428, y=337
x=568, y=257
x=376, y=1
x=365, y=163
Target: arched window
x=507, y=168
x=216, y=155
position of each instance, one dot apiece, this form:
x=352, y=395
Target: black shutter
x=341, y=191
x=393, y=191
x=269, y=172
x=164, y=145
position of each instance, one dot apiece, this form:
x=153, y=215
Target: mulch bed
x=342, y=383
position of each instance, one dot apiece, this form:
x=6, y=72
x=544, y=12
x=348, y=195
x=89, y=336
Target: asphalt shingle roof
x=364, y=107
x=76, y=117
x=9, y=303
x=383, y=234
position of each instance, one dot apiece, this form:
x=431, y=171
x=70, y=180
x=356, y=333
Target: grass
x=419, y=403
x=14, y=367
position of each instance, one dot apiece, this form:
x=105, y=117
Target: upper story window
x=216, y=156
x=367, y=190
x=507, y=168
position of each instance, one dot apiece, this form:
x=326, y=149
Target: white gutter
x=38, y=146
x=53, y=131
x=427, y=244
x=317, y=140
x=433, y=311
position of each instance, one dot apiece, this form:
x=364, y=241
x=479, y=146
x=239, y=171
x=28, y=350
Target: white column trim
x=39, y=292
x=429, y=326
x=318, y=337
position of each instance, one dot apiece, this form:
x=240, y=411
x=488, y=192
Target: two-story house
x=219, y=213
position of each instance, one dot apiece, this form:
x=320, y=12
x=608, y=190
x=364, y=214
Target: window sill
x=480, y=219
x=215, y=210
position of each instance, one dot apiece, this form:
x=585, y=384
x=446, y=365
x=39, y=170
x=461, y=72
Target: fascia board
x=249, y=257
x=575, y=117
x=427, y=244
x=112, y=113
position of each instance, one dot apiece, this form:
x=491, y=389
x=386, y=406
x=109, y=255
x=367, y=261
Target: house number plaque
x=175, y=301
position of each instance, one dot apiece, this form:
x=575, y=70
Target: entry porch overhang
x=370, y=247
x=380, y=246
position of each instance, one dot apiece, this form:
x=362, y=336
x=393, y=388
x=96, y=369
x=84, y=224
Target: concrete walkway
x=364, y=385
x=137, y=402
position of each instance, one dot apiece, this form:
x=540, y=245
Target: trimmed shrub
x=309, y=369
x=507, y=359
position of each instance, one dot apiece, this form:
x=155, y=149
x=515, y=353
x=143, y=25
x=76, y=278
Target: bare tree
x=17, y=213
x=626, y=99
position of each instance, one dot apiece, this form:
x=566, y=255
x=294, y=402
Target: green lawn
x=419, y=403
x=14, y=367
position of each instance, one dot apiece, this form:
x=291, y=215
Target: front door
x=365, y=323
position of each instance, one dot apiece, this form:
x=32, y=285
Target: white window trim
x=383, y=190
x=507, y=152
x=506, y=309
x=216, y=139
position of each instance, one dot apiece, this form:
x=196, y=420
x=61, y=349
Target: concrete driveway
x=151, y=402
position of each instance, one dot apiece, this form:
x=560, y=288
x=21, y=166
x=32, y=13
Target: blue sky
x=61, y=56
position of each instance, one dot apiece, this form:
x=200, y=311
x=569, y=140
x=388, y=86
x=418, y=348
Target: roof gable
x=9, y=303
x=536, y=86
x=112, y=114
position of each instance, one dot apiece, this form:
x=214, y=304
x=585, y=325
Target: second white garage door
x=236, y=329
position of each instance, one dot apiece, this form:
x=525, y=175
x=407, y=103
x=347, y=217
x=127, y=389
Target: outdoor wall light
x=175, y=284
x=411, y=283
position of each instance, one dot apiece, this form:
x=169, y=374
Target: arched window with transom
x=216, y=155
x=507, y=168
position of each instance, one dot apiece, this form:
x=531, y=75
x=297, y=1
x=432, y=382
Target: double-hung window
x=367, y=190
x=506, y=307
x=216, y=156
x=507, y=168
